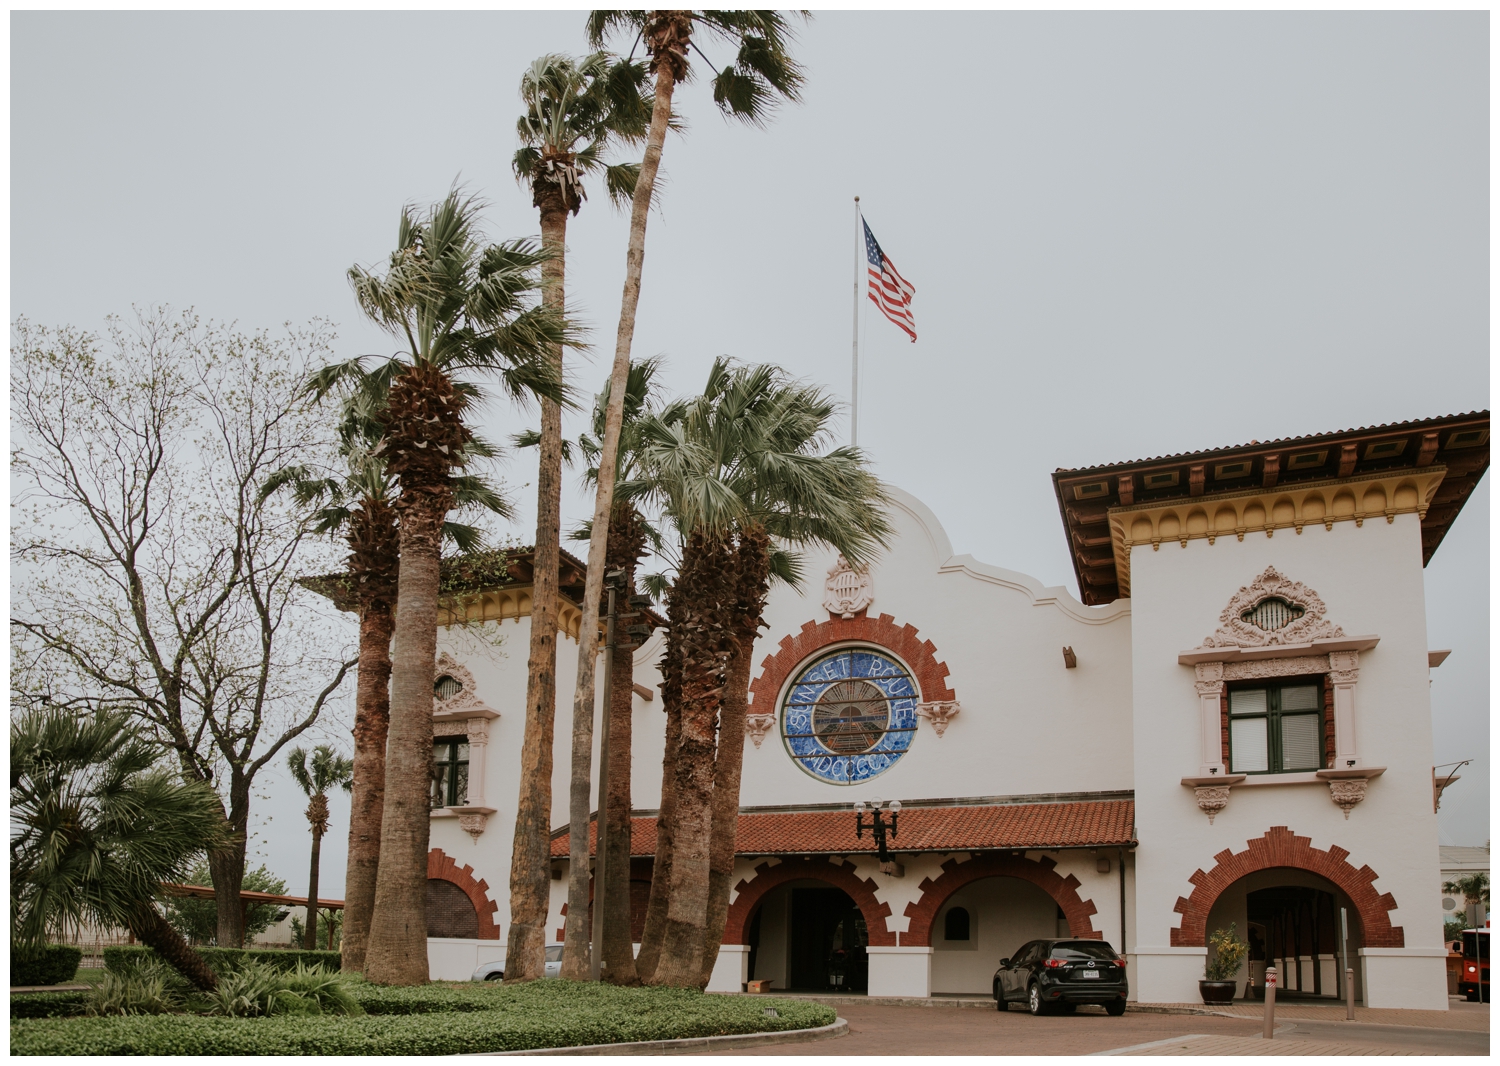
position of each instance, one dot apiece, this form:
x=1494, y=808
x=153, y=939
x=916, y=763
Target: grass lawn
x=88, y=977
x=435, y=1019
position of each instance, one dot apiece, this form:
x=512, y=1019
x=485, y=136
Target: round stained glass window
x=850, y=715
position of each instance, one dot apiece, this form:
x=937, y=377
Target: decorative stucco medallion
x=453, y=685
x=850, y=715
x=1273, y=609
x=847, y=590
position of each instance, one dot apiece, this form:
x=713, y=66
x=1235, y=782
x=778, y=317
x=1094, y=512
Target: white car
x=494, y=971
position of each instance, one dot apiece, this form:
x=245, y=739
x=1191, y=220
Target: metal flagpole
x=859, y=244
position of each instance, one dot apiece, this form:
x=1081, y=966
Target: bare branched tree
x=151, y=572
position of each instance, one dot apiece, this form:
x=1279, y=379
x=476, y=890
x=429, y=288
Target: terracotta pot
x=1217, y=991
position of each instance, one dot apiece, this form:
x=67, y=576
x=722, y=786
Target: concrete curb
x=692, y=1045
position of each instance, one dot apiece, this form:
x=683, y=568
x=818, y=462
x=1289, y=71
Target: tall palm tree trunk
x=752, y=576
x=627, y=542
x=661, y=867
x=151, y=929
x=574, y=960
x=702, y=603
x=311, y=934
x=583, y=698
x=372, y=720
x=530, y=865
x=424, y=436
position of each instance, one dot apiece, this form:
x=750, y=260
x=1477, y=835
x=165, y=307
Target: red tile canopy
x=1080, y=824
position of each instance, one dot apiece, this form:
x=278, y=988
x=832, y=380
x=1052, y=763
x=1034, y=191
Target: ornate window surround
x=1239, y=651
x=463, y=713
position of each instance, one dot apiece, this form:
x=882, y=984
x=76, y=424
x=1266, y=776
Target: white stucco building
x=1232, y=725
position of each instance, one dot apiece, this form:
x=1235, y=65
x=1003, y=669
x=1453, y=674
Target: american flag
x=888, y=289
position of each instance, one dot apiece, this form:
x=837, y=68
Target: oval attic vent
x=447, y=686
x=1272, y=613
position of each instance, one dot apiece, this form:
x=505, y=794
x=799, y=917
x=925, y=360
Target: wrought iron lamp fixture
x=878, y=826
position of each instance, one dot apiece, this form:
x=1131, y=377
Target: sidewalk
x=1474, y=1017
x=1240, y=1045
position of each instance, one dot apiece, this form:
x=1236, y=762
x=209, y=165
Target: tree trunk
x=583, y=692
x=627, y=542
x=151, y=929
x=372, y=720
x=311, y=937
x=661, y=867
x=227, y=867
x=702, y=605
x=531, y=847
x=752, y=574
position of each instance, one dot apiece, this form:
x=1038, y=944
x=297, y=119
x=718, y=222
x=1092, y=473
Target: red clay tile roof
x=1018, y=825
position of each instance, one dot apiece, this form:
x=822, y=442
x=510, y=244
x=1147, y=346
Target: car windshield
x=1083, y=949
x=554, y=953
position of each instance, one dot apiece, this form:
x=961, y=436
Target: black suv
x=1049, y=975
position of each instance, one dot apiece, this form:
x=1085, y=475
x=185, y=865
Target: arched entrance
x=1281, y=848
x=809, y=936
x=456, y=901
x=985, y=920
x=1041, y=872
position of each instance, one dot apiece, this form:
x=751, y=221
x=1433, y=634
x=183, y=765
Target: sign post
x=1270, y=1026
x=1348, y=967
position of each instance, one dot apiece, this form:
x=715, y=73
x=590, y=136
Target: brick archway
x=843, y=875
x=1280, y=847
x=441, y=867
x=921, y=655
x=1039, y=872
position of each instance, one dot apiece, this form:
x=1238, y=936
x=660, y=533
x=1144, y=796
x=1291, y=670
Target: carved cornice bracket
x=939, y=713
x=757, y=726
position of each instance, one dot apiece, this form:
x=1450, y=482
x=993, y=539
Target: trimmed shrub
x=226, y=960
x=47, y=1004
x=541, y=1014
x=52, y=965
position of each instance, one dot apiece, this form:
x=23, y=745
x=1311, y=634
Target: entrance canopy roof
x=978, y=827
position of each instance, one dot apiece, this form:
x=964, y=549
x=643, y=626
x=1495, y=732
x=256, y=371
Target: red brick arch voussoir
x=441, y=867
x=1280, y=847
x=921, y=655
x=767, y=877
x=1040, y=872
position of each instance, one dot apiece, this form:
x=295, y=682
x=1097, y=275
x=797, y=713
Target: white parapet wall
x=1409, y=978
x=456, y=960
x=1166, y=974
x=900, y=971
x=731, y=969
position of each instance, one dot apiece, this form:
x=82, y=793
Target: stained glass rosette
x=850, y=715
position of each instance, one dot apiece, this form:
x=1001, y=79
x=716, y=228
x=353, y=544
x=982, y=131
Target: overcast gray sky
x=1130, y=234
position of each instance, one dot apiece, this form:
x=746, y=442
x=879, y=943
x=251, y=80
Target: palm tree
x=96, y=827
x=327, y=770
x=574, y=110
x=362, y=505
x=747, y=89
x=741, y=472
x=458, y=306
x=1475, y=889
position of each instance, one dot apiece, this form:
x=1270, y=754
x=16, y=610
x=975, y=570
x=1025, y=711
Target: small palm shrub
x=256, y=990
x=1228, y=952
x=150, y=986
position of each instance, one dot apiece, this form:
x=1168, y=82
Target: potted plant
x=1229, y=951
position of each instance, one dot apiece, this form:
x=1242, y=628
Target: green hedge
x=537, y=1015
x=46, y=1004
x=52, y=965
x=220, y=959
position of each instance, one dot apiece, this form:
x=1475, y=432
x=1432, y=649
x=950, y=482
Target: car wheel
x=1000, y=1003
x=1034, y=1000
x=1115, y=1008
x=498, y=975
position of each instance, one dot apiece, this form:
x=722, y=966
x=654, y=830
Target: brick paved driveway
x=879, y=1029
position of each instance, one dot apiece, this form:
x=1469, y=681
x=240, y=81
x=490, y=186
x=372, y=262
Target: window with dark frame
x=450, y=771
x=1276, y=729
x=956, y=924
